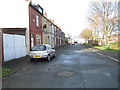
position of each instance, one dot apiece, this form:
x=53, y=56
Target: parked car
x=75, y=43
x=42, y=51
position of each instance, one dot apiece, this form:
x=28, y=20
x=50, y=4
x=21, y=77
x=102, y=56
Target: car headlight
x=46, y=54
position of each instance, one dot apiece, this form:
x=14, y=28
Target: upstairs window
x=40, y=10
x=37, y=20
x=38, y=39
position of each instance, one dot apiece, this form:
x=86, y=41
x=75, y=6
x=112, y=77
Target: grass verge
x=104, y=48
x=115, y=45
x=5, y=71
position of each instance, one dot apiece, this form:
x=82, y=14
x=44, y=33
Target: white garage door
x=14, y=46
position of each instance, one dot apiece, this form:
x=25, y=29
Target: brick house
x=47, y=31
x=63, y=39
x=35, y=24
x=44, y=30
x=57, y=33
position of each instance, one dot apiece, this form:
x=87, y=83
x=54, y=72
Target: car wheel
x=48, y=58
x=31, y=60
x=54, y=55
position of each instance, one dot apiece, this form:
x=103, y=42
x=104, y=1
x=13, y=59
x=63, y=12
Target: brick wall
x=1, y=48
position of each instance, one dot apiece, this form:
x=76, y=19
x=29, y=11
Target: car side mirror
x=53, y=48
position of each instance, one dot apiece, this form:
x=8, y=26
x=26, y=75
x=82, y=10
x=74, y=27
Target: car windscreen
x=39, y=48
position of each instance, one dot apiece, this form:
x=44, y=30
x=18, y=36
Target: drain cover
x=66, y=74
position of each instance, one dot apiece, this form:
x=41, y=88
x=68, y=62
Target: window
x=40, y=10
x=32, y=40
x=37, y=20
x=39, y=48
x=38, y=38
x=49, y=47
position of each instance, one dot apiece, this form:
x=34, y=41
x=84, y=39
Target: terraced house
x=52, y=34
x=35, y=24
x=47, y=28
x=24, y=26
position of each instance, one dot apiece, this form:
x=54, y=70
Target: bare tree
x=104, y=17
x=86, y=34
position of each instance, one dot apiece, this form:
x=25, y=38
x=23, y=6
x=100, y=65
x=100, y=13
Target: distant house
x=48, y=31
x=52, y=34
x=63, y=39
x=44, y=30
x=58, y=30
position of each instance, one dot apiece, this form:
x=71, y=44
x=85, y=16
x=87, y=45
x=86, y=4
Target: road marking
x=100, y=54
x=114, y=59
x=106, y=55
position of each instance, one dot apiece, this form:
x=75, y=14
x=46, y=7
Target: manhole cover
x=66, y=74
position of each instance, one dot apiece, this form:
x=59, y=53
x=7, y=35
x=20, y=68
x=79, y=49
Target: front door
x=32, y=40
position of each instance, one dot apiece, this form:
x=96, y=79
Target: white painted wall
x=14, y=46
x=15, y=14
x=8, y=42
x=20, y=47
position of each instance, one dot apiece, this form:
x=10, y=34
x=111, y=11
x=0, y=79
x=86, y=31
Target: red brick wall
x=32, y=23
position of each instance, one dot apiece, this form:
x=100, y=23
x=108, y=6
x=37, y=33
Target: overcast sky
x=68, y=14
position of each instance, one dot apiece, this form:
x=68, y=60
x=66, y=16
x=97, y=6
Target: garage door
x=14, y=46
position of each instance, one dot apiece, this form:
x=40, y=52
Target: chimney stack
x=45, y=14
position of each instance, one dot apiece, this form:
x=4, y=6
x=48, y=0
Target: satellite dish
x=44, y=26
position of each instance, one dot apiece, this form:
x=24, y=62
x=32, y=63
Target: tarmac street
x=75, y=66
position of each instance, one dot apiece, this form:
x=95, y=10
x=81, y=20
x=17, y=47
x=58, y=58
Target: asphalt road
x=75, y=66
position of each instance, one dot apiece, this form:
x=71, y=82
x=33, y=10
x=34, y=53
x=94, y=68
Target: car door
x=49, y=50
x=53, y=51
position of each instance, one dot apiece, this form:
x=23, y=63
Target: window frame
x=37, y=21
x=38, y=39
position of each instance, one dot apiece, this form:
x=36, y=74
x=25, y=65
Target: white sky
x=68, y=14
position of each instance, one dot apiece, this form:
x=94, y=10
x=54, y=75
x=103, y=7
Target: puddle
x=65, y=74
x=78, y=51
x=66, y=56
x=107, y=74
x=53, y=66
x=67, y=61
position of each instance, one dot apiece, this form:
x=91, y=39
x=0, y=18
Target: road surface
x=75, y=66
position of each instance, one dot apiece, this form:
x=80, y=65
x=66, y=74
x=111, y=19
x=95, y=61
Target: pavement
x=16, y=64
x=114, y=55
x=20, y=63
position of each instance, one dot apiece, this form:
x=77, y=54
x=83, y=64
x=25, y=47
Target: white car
x=42, y=51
